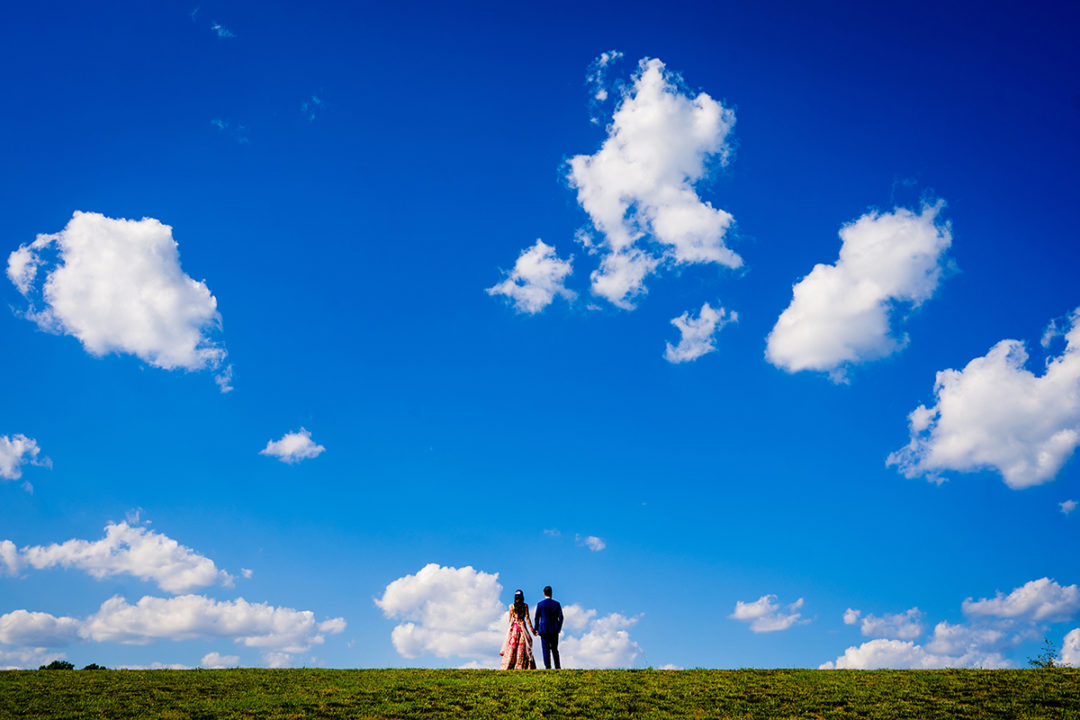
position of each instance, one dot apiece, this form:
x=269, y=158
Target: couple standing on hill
x=517, y=652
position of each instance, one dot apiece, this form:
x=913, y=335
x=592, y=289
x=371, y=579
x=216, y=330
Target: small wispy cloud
x=698, y=335
x=590, y=541
x=312, y=108
x=217, y=661
x=538, y=277
x=17, y=451
x=1067, y=507
x=221, y=31
x=766, y=615
x=236, y=131
x=293, y=447
x=596, y=80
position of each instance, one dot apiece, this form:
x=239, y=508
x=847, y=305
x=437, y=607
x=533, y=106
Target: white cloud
x=576, y=617
x=333, y=626
x=1067, y=507
x=698, y=335
x=188, y=617
x=275, y=659
x=38, y=629
x=221, y=31
x=995, y=414
x=117, y=286
x=128, y=550
x=638, y=189
x=27, y=658
x=993, y=626
x=248, y=573
x=905, y=654
x=449, y=612
x=904, y=626
x=840, y=314
x=293, y=447
x=1041, y=600
x=9, y=558
x=1070, y=648
x=538, y=276
x=456, y=612
x=17, y=451
x=605, y=644
x=766, y=615
x=216, y=661
x=590, y=541
x=965, y=640
x=596, y=80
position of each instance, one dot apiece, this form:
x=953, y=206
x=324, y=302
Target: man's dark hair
x=547, y=591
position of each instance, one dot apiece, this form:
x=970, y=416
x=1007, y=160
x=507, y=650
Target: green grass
x=365, y=694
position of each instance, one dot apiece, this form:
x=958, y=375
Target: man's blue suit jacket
x=548, y=617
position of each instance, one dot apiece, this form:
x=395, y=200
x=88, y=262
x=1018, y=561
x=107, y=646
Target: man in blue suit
x=548, y=625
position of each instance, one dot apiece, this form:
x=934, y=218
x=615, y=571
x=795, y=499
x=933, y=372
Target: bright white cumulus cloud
x=293, y=447
x=992, y=626
x=447, y=612
x=538, y=277
x=125, y=550
x=605, y=643
x=904, y=654
x=840, y=314
x=117, y=286
x=698, y=335
x=38, y=629
x=592, y=542
x=1042, y=600
x=767, y=615
x=1070, y=648
x=184, y=617
x=189, y=617
x=456, y=612
x=995, y=414
x=17, y=451
x=903, y=626
x=639, y=187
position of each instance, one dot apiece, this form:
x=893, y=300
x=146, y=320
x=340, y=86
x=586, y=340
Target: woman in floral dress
x=517, y=652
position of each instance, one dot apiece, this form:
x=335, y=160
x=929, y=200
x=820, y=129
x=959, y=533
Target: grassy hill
x=772, y=694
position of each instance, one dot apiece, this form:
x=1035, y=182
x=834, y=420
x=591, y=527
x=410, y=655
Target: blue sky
x=326, y=328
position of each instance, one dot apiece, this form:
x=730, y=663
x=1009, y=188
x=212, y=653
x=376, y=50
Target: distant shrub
x=58, y=665
x=1048, y=658
x=95, y=666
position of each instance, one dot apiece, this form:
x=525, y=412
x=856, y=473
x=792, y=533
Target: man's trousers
x=550, y=643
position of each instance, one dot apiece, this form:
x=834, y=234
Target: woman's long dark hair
x=519, y=605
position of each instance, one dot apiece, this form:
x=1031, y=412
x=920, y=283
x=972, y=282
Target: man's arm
x=558, y=624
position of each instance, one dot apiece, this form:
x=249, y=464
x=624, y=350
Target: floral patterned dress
x=517, y=650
